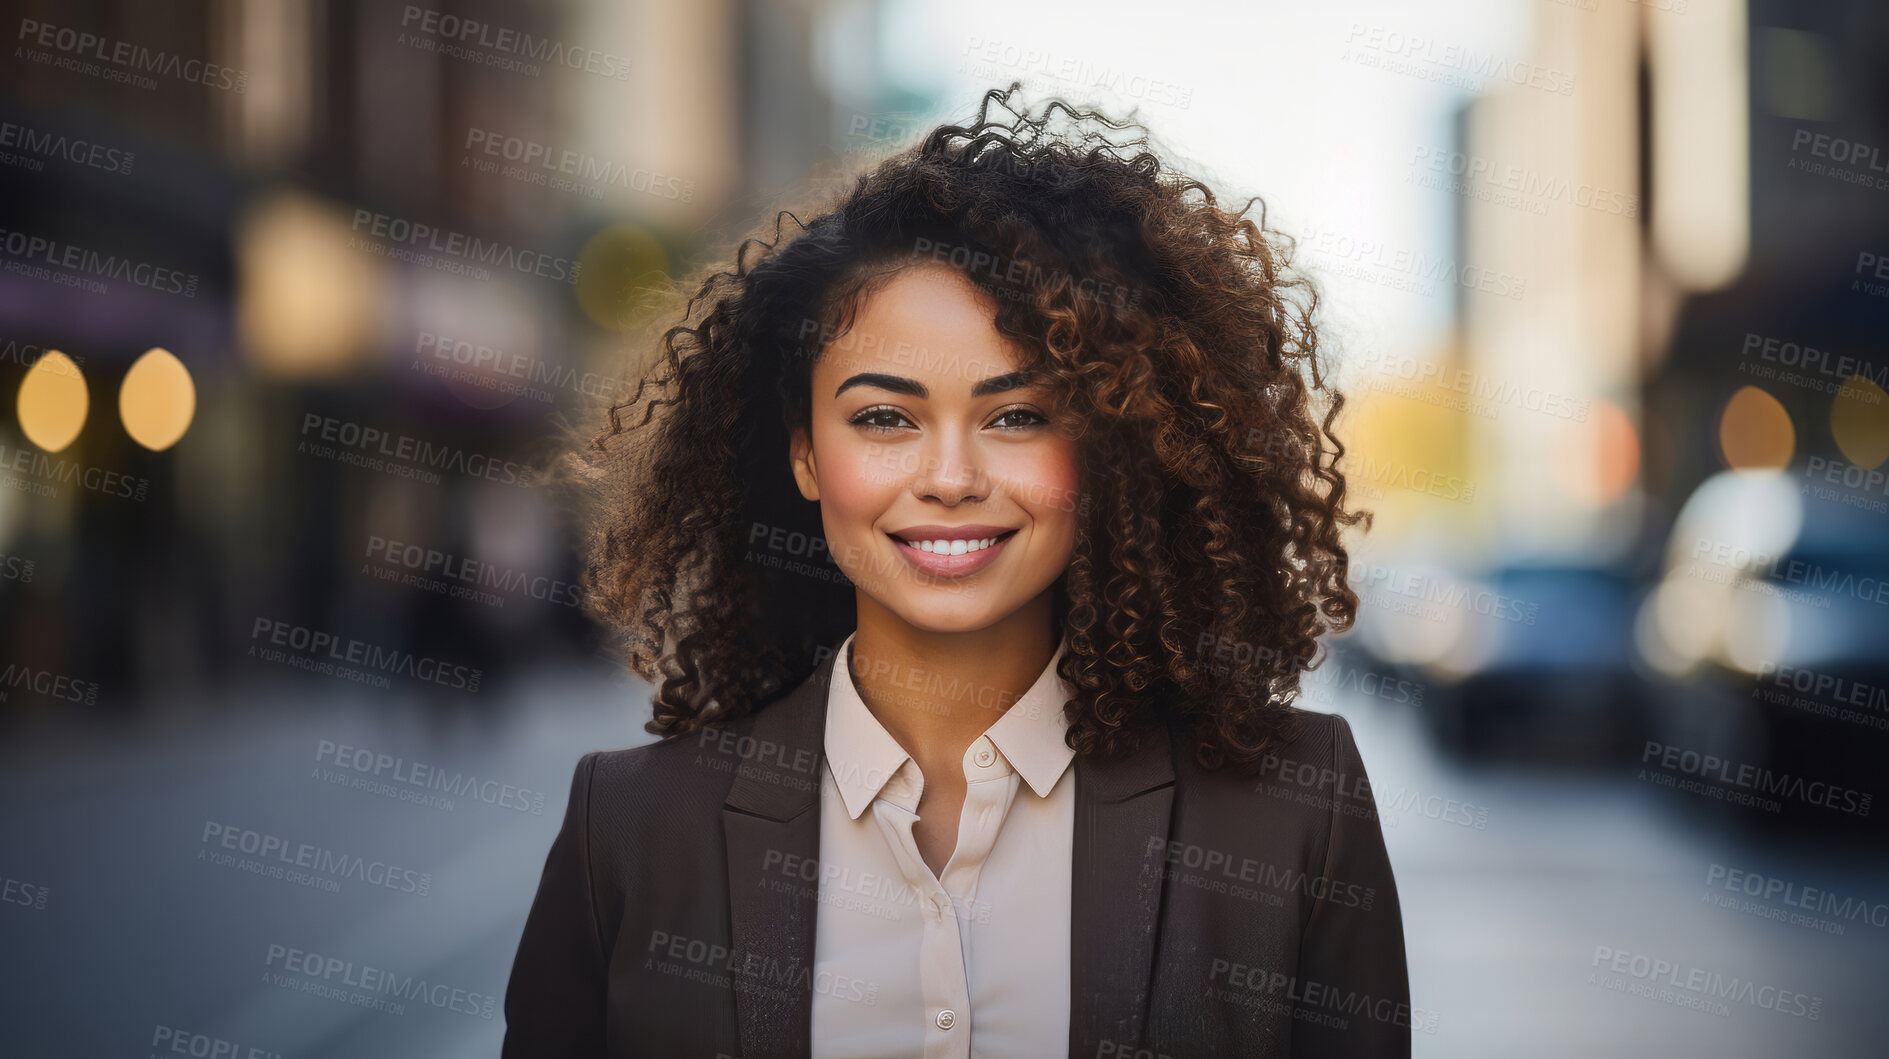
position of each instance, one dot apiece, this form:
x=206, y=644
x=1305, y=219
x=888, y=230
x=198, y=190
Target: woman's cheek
x=854, y=490
x=1048, y=484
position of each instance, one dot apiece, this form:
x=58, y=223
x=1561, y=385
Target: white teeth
x=953, y=547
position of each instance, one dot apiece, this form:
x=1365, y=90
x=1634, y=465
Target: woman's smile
x=950, y=555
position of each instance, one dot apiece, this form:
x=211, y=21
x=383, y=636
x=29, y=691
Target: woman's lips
x=940, y=564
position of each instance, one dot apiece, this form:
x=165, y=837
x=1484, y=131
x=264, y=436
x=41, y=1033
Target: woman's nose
x=950, y=469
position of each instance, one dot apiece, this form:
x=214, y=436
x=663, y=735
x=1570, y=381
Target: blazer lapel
x=1122, y=813
x=772, y=813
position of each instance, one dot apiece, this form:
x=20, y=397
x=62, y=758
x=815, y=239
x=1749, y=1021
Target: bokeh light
x=616, y=263
x=53, y=401
x=1859, y=421
x=157, y=400
x=1754, y=431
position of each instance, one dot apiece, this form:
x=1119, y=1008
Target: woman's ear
x=800, y=455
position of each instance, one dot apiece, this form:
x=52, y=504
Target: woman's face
x=925, y=445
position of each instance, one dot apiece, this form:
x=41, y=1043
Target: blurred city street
x=302, y=303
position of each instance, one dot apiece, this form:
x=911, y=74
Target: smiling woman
x=927, y=472
x=1020, y=431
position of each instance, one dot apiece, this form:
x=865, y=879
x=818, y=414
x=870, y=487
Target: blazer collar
x=772, y=814
x=779, y=775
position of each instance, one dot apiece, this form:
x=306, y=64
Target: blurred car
x=1777, y=650
x=1534, y=660
x=1549, y=673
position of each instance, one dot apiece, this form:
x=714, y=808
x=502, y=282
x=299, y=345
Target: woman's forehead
x=928, y=324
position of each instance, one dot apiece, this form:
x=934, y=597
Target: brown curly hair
x=1172, y=329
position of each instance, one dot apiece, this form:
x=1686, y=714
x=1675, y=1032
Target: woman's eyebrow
x=1014, y=380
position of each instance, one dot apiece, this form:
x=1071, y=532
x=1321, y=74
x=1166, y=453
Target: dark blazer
x=1212, y=915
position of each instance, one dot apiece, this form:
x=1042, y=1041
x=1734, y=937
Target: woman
x=1046, y=413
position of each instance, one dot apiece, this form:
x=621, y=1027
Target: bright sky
x=1279, y=107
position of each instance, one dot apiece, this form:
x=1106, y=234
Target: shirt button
x=984, y=756
x=947, y=1019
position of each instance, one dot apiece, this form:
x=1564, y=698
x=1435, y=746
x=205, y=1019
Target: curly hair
x=1175, y=332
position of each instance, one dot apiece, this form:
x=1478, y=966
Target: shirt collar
x=863, y=755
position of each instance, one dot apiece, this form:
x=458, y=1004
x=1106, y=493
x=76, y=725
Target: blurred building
x=404, y=229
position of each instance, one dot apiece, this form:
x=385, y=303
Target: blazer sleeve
x=554, y=1001
x=1352, y=951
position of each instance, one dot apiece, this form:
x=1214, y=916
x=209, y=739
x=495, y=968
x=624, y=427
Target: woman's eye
x=879, y=419
x=1028, y=418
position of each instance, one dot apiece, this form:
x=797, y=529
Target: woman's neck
x=937, y=692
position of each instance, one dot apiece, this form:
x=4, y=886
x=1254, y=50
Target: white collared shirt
x=971, y=962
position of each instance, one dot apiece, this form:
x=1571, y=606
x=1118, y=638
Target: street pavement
x=199, y=877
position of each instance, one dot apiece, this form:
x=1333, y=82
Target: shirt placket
x=943, y=979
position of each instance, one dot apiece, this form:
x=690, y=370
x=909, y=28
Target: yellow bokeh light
x=309, y=300
x=616, y=263
x=1755, y=432
x=1859, y=421
x=53, y=401
x=158, y=400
